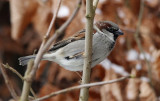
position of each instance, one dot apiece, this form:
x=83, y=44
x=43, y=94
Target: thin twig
x=19, y=75
x=138, y=41
x=53, y=19
x=8, y=83
x=81, y=86
x=90, y=13
x=13, y=70
x=46, y=37
x=27, y=82
x=126, y=29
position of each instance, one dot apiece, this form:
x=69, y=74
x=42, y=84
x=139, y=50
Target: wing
x=78, y=36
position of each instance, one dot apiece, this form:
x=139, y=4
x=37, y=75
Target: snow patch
x=102, y=1
x=121, y=13
x=98, y=11
x=149, y=1
x=122, y=40
x=130, y=95
x=83, y=20
x=107, y=64
x=138, y=66
x=147, y=56
x=132, y=55
x=63, y=11
x=145, y=79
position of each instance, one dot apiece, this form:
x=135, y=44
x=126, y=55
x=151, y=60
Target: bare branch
x=81, y=86
x=53, y=19
x=95, y=3
x=90, y=13
x=19, y=75
x=138, y=41
x=40, y=53
x=51, y=24
x=8, y=83
x=27, y=82
x=13, y=70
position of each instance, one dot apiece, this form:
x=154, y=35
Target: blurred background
x=23, y=23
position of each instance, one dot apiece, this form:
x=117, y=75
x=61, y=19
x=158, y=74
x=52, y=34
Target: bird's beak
x=119, y=32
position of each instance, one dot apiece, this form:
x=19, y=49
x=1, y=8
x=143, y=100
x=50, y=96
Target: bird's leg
x=80, y=81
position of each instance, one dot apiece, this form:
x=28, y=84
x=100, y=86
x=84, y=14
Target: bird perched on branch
x=69, y=53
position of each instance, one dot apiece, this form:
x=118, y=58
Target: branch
x=90, y=12
x=27, y=82
x=8, y=83
x=138, y=41
x=82, y=86
x=46, y=37
x=19, y=75
x=95, y=3
x=53, y=19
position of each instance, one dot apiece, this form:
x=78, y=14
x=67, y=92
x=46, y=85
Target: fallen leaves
x=30, y=20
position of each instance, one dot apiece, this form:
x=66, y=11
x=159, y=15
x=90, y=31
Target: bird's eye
x=111, y=29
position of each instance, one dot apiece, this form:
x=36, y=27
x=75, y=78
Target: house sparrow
x=69, y=53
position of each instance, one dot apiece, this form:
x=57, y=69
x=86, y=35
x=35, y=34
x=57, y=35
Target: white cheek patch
x=109, y=34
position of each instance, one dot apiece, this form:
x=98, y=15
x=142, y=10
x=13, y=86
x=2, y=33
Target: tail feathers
x=24, y=60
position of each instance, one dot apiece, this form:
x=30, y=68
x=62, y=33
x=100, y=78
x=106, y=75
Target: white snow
x=63, y=11
x=98, y=11
x=146, y=55
x=83, y=20
x=145, y=79
x=102, y=1
x=130, y=95
x=121, y=13
x=107, y=64
x=132, y=55
x=122, y=40
x=138, y=66
x=149, y=1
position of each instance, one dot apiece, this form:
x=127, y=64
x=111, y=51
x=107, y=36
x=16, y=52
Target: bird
x=69, y=53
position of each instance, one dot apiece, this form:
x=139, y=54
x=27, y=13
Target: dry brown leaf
x=156, y=65
x=7, y=44
x=156, y=71
x=47, y=89
x=97, y=73
x=152, y=3
x=43, y=16
x=77, y=24
x=64, y=80
x=127, y=16
x=53, y=72
x=22, y=12
x=132, y=89
x=111, y=92
x=108, y=9
x=146, y=92
x=135, y=6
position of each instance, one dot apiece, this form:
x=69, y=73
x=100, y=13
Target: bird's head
x=109, y=28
